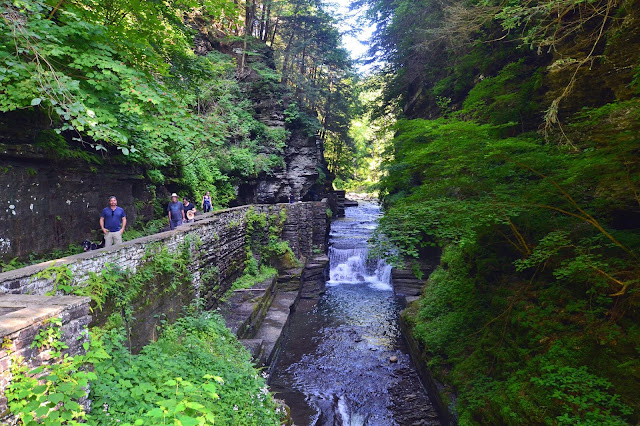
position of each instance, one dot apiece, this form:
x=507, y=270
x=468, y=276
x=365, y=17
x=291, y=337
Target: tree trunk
x=267, y=22
x=275, y=30
x=248, y=29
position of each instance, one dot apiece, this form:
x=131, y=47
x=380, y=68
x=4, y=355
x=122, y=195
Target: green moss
x=509, y=97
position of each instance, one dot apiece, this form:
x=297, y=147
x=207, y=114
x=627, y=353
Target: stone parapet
x=21, y=319
x=222, y=239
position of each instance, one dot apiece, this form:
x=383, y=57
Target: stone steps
x=272, y=331
x=245, y=310
x=259, y=315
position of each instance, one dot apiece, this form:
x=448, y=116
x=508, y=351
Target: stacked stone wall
x=22, y=317
x=218, y=243
x=221, y=236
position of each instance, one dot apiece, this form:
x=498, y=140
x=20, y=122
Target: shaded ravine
x=336, y=366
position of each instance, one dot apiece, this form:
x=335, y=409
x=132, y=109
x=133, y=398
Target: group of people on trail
x=180, y=212
x=113, y=219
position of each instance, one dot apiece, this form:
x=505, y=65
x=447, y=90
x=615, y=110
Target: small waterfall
x=350, y=262
x=335, y=368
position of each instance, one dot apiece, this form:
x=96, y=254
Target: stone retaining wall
x=443, y=397
x=23, y=316
x=222, y=238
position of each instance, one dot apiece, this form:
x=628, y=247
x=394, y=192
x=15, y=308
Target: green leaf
x=156, y=412
x=55, y=398
x=41, y=411
x=31, y=406
x=72, y=405
x=36, y=101
x=40, y=389
x=194, y=405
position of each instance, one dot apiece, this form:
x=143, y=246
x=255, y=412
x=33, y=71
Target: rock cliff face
x=299, y=178
x=51, y=202
x=303, y=176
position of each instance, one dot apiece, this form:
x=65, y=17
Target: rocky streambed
x=344, y=361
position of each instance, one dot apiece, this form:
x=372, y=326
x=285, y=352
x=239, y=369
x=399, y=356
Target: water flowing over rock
x=335, y=368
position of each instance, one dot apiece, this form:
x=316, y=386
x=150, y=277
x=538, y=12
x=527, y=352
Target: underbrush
x=196, y=373
x=522, y=353
x=532, y=314
x=356, y=185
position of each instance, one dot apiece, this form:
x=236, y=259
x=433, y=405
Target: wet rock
x=393, y=359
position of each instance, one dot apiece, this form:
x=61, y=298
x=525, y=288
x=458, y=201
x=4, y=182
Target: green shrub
x=532, y=271
x=196, y=373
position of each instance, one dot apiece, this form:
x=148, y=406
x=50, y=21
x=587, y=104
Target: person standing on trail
x=189, y=210
x=176, y=212
x=113, y=220
x=206, y=203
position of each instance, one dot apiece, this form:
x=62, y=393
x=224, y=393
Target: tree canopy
x=122, y=80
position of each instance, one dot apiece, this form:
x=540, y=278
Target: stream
x=336, y=366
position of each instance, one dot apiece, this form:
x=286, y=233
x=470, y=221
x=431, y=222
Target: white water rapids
x=349, y=252
x=334, y=368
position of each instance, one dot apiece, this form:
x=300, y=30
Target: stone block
x=24, y=316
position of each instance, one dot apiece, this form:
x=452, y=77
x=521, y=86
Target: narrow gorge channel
x=345, y=361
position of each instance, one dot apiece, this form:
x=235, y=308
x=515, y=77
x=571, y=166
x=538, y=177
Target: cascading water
x=335, y=367
x=349, y=250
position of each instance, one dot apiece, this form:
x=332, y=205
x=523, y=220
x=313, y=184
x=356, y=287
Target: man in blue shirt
x=113, y=220
x=176, y=212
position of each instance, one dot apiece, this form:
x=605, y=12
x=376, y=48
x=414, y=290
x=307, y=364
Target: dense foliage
x=196, y=373
x=515, y=156
x=121, y=82
x=532, y=279
x=104, y=72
